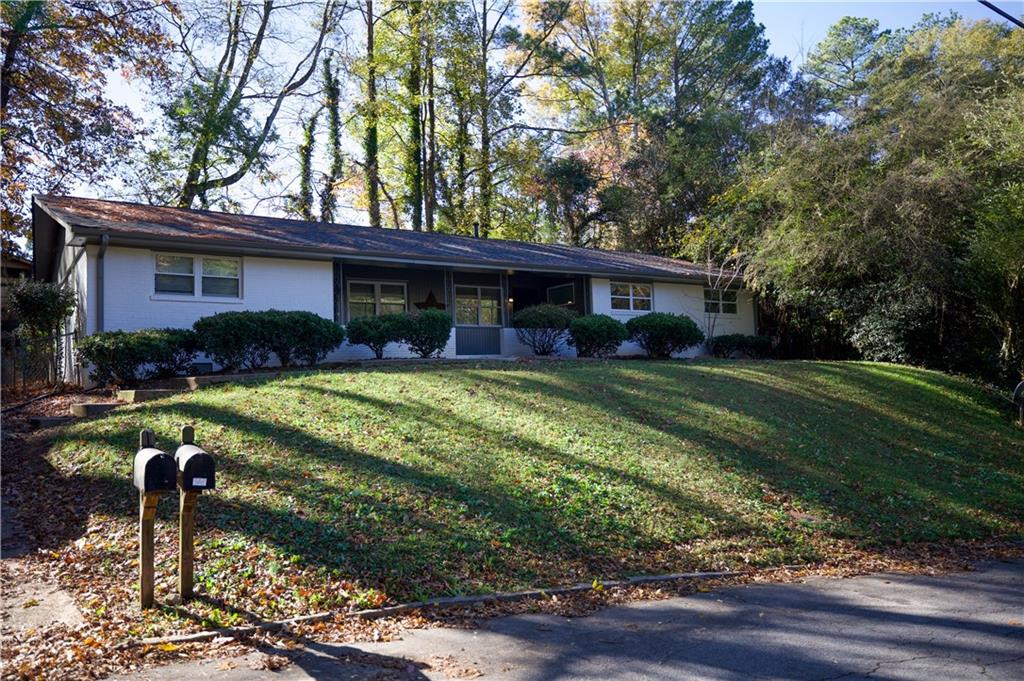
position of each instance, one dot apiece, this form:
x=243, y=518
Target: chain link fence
x=33, y=364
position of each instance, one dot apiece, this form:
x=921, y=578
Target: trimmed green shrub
x=660, y=334
x=300, y=337
x=235, y=339
x=126, y=357
x=596, y=335
x=377, y=333
x=172, y=351
x=542, y=327
x=752, y=346
x=427, y=332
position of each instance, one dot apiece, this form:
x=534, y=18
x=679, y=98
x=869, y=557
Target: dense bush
x=596, y=335
x=126, y=357
x=660, y=334
x=247, y=339
x=41, y=307
x=752, y=346
x=377, y=332
x=426, y=333
x=235, y=339
x=172, y=351
x=300, y=337
x=542, y=327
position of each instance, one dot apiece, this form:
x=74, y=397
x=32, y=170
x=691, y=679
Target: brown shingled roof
x=200, y=226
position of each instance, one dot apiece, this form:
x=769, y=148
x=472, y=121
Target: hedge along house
x=136, y=266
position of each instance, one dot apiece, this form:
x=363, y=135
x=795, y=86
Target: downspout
x=104, y=240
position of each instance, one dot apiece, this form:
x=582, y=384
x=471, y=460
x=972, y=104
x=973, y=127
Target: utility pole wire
x=1006, y=15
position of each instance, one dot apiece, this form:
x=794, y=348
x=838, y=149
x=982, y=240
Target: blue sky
x=793, y=28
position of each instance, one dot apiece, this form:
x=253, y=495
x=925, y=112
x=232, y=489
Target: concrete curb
x=442, y=603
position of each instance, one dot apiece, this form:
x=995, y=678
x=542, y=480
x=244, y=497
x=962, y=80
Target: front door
x=477, y=320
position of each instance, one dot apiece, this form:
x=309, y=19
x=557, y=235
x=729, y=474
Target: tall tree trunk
x=461, y=171
x=484, y=215
x=304, y=201
x=414, y=160
x=332, y=94
x=430, y=176
x=370, y=142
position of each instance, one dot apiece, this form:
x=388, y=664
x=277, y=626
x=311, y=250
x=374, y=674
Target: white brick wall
x=685, y=299
x=130, y=301
x=267, y=283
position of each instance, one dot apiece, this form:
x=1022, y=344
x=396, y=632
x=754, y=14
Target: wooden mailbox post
x=153, y=474
x=195, y=472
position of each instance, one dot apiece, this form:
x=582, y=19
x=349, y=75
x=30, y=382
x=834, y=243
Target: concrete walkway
x=961, y=626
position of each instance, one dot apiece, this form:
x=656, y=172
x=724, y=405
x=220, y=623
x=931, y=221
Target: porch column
x=449, y=293
x=506, y=313
x=339, y=293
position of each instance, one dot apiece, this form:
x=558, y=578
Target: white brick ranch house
x=137, y=266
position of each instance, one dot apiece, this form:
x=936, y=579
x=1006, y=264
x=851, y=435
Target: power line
x=1005, y=15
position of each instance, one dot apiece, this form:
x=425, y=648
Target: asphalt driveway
x=960, y=626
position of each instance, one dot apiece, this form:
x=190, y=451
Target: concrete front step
x=86, y=409
x=132, y=396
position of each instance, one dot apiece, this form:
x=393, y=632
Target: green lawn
x=431, y=479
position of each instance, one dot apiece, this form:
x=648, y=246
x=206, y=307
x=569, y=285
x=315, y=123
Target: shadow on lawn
x=408, y=542
x=903, y=476
x=416, y=532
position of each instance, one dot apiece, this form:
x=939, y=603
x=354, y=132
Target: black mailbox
x=196, y=468
x=154, y=470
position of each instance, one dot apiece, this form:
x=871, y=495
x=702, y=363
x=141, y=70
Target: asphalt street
x=958, y=626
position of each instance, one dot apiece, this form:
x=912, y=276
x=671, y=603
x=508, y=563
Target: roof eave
x=258, y=249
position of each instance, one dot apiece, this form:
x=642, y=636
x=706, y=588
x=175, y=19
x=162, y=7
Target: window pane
x=711, y=307
x=392, y=299
x=728, y=296
x=561, y=295
x=220, y=267
x=729, y=308
x=176, y=264
x=710, y=294
x=620, y=303
x=466, y=311
x=356, y=310
x=361, y=293
x=620, y=289
x=219, y=286
x=641, y=303
x=467, y=305
x=641, y=291
x=175, y=283
x=490, y=313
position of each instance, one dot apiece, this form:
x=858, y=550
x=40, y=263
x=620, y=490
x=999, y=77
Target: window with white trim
x=375, y=298
x=626, y=296
x=718, y=301
x=477, y=306
x=185, y=275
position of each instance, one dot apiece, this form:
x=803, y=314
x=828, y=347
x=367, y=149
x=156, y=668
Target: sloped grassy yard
x=395, y=483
